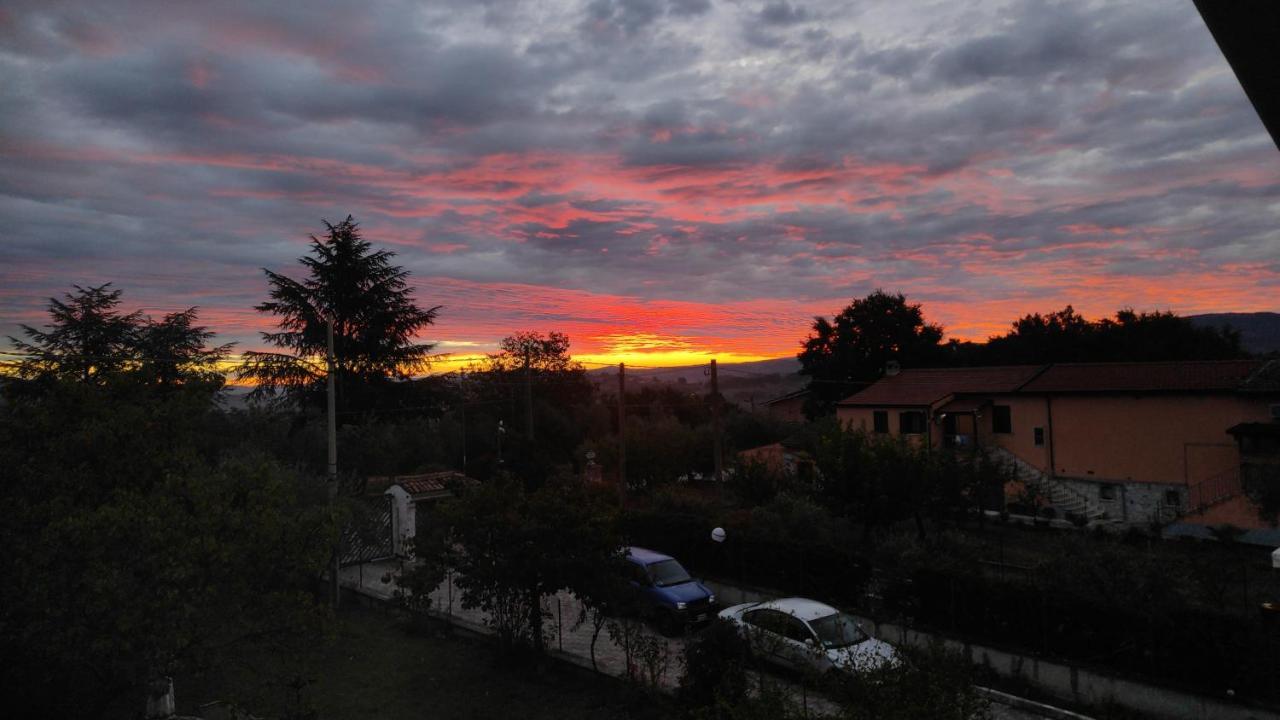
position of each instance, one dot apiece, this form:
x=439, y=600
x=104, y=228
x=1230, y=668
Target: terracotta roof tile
x=925, y=386
x=1186, y=376
x=424, y=484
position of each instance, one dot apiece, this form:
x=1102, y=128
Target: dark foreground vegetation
x=376, y=664
x=151, y=530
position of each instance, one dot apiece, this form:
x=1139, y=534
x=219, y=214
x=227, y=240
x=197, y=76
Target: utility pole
x=622, y=429
x=462, y=404
x=715, y=425
x=333, y=455
x=528, y=396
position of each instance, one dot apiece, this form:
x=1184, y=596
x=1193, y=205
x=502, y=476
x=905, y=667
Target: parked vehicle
x=666, y=593
x=806, y=635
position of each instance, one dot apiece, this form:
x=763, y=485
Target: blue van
x=666, y=593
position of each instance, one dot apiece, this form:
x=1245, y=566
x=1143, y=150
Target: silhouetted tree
x=176, y=351
x=1067, y=336
x=499, y=389
x=548, y=352
x=375, y=325
x=139, y=539
x=88, y=340
x=509, y=546
x=853, y=348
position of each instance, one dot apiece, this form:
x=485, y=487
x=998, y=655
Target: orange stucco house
x=1124, y=442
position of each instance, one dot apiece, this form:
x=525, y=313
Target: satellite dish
x=718, y=535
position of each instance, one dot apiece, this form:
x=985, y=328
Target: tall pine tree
x=375, y=325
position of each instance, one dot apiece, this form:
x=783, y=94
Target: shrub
x=933, y=683
x=715, y=666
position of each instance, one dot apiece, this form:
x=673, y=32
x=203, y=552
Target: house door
x=949, y=430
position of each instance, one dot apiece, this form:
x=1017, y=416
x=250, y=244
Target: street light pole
x=333, y=454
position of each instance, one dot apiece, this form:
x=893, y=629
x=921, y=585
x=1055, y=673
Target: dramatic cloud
x=657, y=178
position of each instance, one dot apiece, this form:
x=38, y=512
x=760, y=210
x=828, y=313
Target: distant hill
x=236, y=397
x=698, y=373
x=1259, y=331
x=745, y=383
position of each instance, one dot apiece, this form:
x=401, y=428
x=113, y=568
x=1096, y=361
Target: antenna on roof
x=892, y=368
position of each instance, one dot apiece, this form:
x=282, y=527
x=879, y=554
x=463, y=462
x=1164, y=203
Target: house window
x=1172, y=498
x=880, y=421
x=1001, y=419
x=1039, y=436
x=911, y=422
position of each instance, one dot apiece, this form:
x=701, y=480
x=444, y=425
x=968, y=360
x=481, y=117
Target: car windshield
x=668, y=572
x=838, y=630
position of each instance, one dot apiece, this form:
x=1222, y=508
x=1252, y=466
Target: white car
x=807, y=636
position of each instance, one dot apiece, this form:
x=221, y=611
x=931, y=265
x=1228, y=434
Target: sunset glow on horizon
x=664, y=181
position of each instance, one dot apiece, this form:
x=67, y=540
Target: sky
x=663, y=180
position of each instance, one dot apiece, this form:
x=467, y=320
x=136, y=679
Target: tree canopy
x=554, y=392
x=549, y=352
x=375, y=325
x=1066, y=336
x=509, y=546
x=136, y=525
x=89, y=340
x=843, y=353
x=854, y=347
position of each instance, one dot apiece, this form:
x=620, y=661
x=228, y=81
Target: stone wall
x=1129, y=502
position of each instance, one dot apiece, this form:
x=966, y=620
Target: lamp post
x=718, y=536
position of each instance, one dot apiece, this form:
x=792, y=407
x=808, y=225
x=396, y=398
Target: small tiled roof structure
x=1144, y=377
x=434, y=484
x=921, y=387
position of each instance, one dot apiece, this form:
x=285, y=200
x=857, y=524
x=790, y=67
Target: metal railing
x=1214, y=489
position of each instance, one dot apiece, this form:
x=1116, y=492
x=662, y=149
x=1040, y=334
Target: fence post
x=559, y=623
x=1044, y=623
x=804, y=692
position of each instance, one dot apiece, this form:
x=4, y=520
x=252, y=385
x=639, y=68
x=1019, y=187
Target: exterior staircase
x=1065, y=500
x=1214, y=490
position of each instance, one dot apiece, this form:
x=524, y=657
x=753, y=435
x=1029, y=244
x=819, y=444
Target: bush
x=754, y=483
x=932, y=683
x=715, y=666
x=792, y=520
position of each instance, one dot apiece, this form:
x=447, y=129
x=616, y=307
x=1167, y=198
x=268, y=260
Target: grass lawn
x=376, y=666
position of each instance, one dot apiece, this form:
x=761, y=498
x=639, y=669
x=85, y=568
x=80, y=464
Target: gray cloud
x=781, y=12
x=712, y=152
